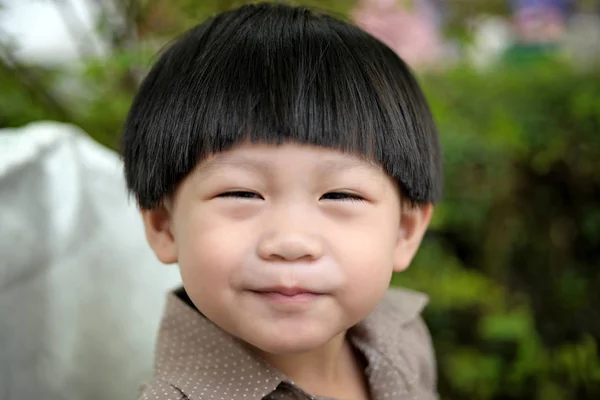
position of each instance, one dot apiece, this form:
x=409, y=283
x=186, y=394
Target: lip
x=286, y=291
x=287, y=295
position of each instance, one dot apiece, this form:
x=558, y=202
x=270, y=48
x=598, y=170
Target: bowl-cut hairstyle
x=273, y=73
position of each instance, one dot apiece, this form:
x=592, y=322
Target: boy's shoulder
x=158, y=389
x=406, y=305
x=396, y=339
x=395, y=328
x=196, y=359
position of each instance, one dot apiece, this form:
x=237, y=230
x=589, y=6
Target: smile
x=287, y=295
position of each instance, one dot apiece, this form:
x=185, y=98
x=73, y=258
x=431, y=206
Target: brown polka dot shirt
x=196, y=360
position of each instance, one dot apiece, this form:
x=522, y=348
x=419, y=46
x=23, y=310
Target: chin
x=280, y=347
x=291, y=342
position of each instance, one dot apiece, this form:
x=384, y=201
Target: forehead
x=268, y=156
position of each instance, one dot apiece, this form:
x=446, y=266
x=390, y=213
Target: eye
x=241, y=194
x=341, y=196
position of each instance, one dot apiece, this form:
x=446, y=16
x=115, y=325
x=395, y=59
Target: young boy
x=288, y=162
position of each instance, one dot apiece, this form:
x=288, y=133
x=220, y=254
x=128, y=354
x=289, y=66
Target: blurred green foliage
x=511, y=259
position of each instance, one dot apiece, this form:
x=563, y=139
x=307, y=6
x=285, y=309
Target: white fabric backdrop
x=80, y=291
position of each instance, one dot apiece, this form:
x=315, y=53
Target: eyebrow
x=239, y=162
x=347, y=164
x=265, y=166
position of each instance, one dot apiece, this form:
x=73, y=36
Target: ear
x=158, y=226
x=414, y=221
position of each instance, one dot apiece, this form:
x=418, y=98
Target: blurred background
x=511, y=261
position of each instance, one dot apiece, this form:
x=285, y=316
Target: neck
x=327, y=371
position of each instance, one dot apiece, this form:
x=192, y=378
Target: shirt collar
x=200, y=359
x=383, y=338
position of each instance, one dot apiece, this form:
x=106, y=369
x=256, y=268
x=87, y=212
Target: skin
x=249, y=224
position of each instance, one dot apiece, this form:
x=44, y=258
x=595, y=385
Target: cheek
x=209, y=251
x=368, y=251
x=368, y=268
x=368, y=261
x=372, y=237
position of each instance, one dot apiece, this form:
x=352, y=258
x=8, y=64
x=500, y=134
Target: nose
x=290, y=247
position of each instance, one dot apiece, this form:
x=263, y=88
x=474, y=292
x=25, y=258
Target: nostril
x=289, y=248
x=276, y=257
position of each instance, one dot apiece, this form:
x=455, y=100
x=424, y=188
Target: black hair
x=273, y=73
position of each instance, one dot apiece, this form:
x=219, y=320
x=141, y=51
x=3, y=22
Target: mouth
x=287, y=294
x=286, y=291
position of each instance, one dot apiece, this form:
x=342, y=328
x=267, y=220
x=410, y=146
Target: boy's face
x=286, y=246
